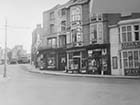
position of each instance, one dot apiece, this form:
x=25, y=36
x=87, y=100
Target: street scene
x=25, y=88
x=70, y=52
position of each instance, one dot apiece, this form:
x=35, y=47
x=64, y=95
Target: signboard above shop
x=130, y=45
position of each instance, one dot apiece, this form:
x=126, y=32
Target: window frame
x=115, y=62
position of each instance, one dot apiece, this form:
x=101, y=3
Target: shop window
x=120, y=61
x=130, y=57
x=136, y=63
x=51, y=61
x=115, y=62
x=125, y=60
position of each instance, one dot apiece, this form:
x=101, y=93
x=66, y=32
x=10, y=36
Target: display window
x=51, y=62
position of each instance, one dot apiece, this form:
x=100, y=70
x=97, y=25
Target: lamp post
x=5, y=55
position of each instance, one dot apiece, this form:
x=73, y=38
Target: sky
x=22, y=17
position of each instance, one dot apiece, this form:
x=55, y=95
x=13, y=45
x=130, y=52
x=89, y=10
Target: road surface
x=25, y=88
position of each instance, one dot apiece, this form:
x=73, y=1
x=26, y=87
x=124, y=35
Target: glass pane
x=54, y=42
x=129, y=35
x=136, y=27
x=125, y=63
x=124, y=29
x=130, y=58
x=136, y=58
x=124, y=37
x=124, y=55
x=128, y=28
x=136, y=35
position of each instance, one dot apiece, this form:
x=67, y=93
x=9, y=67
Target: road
x=25, y=88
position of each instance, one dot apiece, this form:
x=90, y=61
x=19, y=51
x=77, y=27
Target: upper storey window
x=97, y=17
x=126, y=32
x=63, y=12
x=137, y=32
x=75, y=14
x=130, y=33
x=52, y=16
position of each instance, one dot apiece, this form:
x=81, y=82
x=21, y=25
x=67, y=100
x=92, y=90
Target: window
x=130, y=59
x=52, y=42
x=51, y=15
x=51, y=28
x=125, y=60
x=115, y=62
x=63, y=26
x=76, y=35
x=63, y=12
x=97, y=17
x=93, y=33
x=136, y=59
x=126, y=32
x=75, y=14
x=100, y=17
x=136, y=32
x=62, y=40
x=120, y=60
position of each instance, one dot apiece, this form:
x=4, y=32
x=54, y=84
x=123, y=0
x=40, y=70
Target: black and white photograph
x=69, y=52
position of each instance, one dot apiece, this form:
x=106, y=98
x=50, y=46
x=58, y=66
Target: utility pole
x=5, y=55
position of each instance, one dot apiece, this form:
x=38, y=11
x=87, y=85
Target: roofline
x=129, y=21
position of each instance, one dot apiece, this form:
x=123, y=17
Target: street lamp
x=5, y=55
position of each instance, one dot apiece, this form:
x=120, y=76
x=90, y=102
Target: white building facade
x=125, y=46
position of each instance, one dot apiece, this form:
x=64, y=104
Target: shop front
x=99, y=59
x=53, y=59
x=77, y=59
x=130, y=55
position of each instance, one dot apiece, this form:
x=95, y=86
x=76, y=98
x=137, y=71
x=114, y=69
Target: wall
x=86, y=25
x=115, y=47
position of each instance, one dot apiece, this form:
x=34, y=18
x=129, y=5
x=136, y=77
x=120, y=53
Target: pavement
x=32, y=69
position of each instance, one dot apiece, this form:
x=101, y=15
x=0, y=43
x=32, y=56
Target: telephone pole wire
x=5, y=55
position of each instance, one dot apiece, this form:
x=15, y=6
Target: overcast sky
x=22, y=16
x=27, y=13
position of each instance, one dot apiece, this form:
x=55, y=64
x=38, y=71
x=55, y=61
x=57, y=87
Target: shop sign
x=90, y=53
x=130, y=45
x=132, y=72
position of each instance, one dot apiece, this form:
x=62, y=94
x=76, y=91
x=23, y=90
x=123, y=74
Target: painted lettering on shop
x=130, y=45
